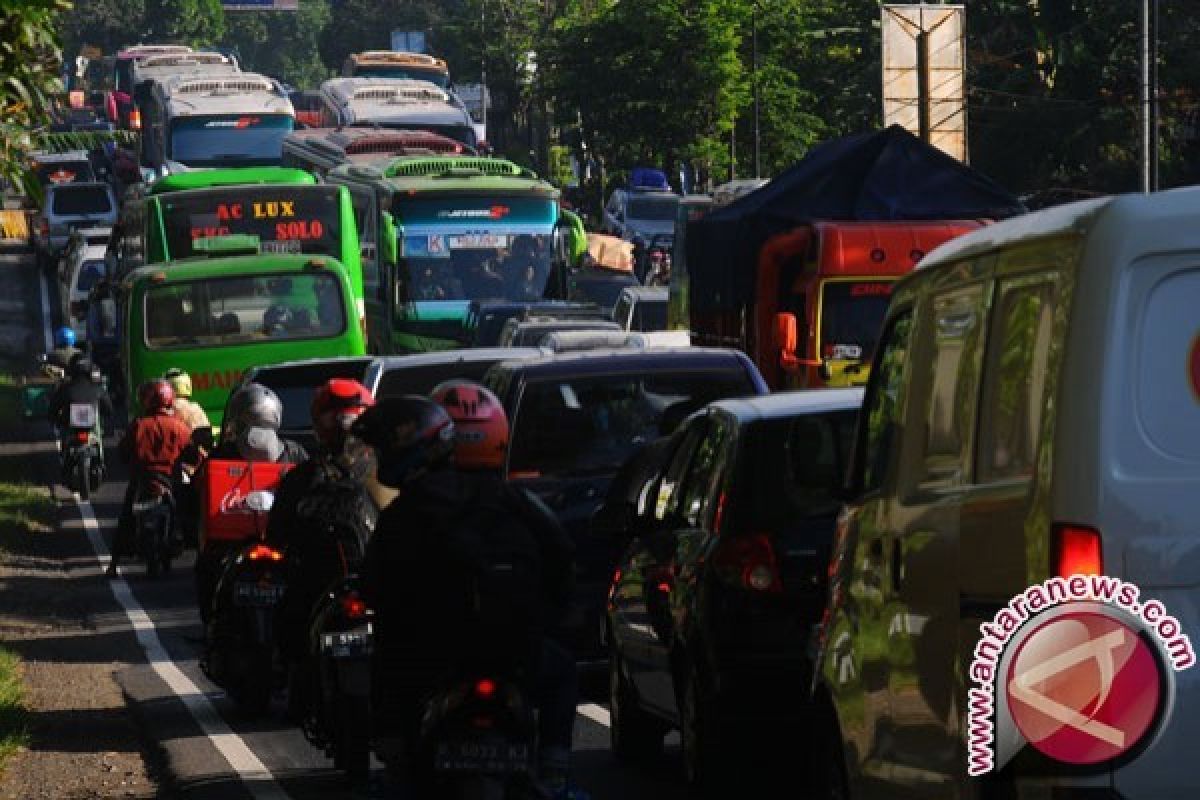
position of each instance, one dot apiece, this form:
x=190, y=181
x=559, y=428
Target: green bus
x=230, y=176
x=215, y=317
x=438, y=232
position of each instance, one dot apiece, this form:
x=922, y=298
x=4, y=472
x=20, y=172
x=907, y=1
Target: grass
x=25, y=508
x=14, y=728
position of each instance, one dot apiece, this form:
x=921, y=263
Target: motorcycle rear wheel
x=82, y=478
x=352, y=753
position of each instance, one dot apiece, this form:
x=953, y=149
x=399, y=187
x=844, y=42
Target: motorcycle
x=477, y=740
x=83, y=451
x=338, y=677
x=239, y=638
x=153, y=517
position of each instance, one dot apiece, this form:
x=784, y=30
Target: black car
x=711, y=607
x=485, y=320
x=577, y=417
x=419, y=373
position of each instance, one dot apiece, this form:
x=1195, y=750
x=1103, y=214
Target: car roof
x=71, y=187
x=782, y=405
x=388, y=363
x=603, y=361
x=644, y=293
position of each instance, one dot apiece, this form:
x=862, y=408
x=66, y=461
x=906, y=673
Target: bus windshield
x=244, y=309
x=476, y=248
x=286, y=219
x=241, y=140
x=851, y=314
x=440, y=79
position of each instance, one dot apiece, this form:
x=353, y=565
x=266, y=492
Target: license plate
x=478, y=241
x=482, y=756
x=281, y=247
x=347, y=644
x=252, y=594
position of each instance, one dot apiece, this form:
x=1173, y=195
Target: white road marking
x=253, y=773
x=595, y=713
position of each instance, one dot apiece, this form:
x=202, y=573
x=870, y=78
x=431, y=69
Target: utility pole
x=754, y=78
x=1149, y=95
x=483, y=90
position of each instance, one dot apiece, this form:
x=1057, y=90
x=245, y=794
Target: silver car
x=70, y=206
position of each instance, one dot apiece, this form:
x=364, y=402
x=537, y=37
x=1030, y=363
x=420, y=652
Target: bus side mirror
x=388, y=233
x=786, y=340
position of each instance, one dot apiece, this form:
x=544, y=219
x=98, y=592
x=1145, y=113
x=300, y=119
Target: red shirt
x=155, y=442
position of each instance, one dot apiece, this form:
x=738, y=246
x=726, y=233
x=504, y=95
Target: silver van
x=1033, y=410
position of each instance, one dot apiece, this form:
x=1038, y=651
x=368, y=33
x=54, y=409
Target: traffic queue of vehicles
x=750, y=564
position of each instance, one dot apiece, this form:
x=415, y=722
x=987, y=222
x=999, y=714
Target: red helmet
x=335, y=406
x=480, y=421
x=156, y=396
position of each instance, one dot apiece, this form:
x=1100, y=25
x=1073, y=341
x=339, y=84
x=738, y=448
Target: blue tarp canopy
x=882, y=175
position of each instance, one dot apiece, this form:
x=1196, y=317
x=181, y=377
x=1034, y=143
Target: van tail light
x=1076, y=550
x=749, y=562
x=135, y=120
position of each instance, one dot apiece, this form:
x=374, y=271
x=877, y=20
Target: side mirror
x=389, y=234
x=786, y=340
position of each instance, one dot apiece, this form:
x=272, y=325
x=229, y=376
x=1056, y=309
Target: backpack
x=338, y=518
x=502, y=562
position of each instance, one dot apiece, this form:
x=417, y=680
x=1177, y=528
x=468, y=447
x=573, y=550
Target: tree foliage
x=283, y=44
x=194, y=22
x=29, y=62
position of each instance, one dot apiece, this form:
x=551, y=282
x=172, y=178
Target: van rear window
x=1166, y=379
x=71, y=200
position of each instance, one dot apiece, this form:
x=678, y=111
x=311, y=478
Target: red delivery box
x=225, y=487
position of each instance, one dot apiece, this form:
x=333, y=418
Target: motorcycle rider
x=80, y=388
x=314, y=503
x=64, y=350
x=192, y=413
x=481, y=441
x=151, y=446
x=250, y=432
x=424, y=622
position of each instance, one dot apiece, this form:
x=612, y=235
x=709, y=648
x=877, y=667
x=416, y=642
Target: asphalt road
x=209, y=749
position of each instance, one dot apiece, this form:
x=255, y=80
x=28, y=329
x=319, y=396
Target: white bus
x=221, y=120
x=395, y=103
x=393, y=64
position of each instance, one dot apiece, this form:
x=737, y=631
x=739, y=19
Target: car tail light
x=1076, y=550
x=82, y=436
x=749, y=562
x=44, y=227
x=261, y=552
x=135, y=120
x=353, y=606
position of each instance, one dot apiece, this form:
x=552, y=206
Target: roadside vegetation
x=25, y=510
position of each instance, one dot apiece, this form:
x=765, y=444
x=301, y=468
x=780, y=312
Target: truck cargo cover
x=882, y=175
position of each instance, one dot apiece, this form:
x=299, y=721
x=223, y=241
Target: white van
x=1035, y=399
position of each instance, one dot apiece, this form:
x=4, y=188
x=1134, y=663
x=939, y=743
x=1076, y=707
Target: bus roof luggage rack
x=429, y=167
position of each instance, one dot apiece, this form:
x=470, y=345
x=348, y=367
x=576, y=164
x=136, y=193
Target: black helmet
x=410, y=434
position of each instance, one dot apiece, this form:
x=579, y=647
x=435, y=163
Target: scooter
x=83, y=451
x=154, y=517
x=239, y=653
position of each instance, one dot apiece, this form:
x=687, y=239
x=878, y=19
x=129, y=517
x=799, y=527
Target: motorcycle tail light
x=82, y=436
x=483, y=721
x=260, y=552
x=353, y=606
x=485, y=688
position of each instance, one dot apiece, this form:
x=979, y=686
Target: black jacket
x=78, y=390
x=408, y=575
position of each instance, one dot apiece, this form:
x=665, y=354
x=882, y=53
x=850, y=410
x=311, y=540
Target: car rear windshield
x=421, y=379
x=296, y=386
x=658, y=208
x=259, y=309
x=649, y=316
x=589, y=425
x=791, y=469
x=74, y=200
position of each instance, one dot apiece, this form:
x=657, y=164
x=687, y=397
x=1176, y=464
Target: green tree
x=29, y=63
x=194, y=22
x=368, y=24
x=283, y=44
x=107, y=24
